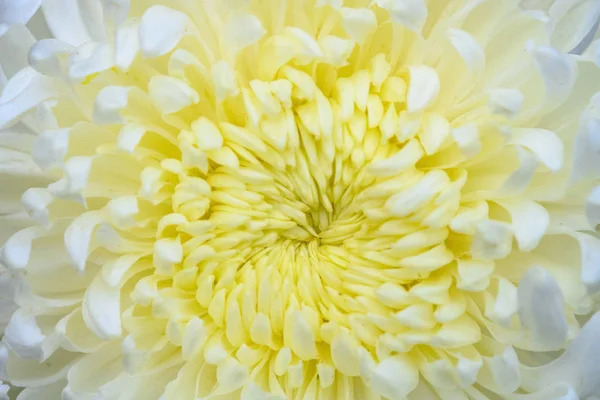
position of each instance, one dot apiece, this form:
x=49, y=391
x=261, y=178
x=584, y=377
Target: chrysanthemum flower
x=271, y=199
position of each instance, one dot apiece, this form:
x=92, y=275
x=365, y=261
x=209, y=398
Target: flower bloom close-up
x=299, y=199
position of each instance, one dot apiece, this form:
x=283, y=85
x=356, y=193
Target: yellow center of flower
x=315, y=236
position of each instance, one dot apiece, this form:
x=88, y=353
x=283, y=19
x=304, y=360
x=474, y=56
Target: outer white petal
x=16, y=251
x=24, y=91
x=109, y=103
x=79, y=235
x=592, y=209
x=590, y=261
x=577, y=367
x=586, y=163
x=558, y=71
x=15, y=42
x=115, y=11
x=423, y=88
x=50, y=148
x=575, y=25
x=493, y=240
x=546, y=145
x=4, y=391
x=65, y=22
x=44, y=56
x=102, y=309
x=542, y=310
x=24, y=337
x=161, y=29
x=18, y=12
x=506, y=102
x=469, y=50
x=530, y=221
x=76, y=174
x=91, y=58
x=127, y=44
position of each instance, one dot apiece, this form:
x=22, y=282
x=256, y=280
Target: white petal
x=395, y=377
x=243, y=30
x=122, y=211
x=115, y=11
x=16, y=251
x=423, y=88
x=76, y=172
x=519, y=180
x=573, y=27
x=90, y=58
x=467, y=139
x=546, y=145
x=36, y=202
x=127, y=45
x=130, y=136
x=161, y=29
x=559, y=72
x=19, y=11
x=109, y=103
x=410, y=13
x=24, y=337
x=359, y=23
x=115, y=270
x=592, y=208
x=50, y=148
x=15, y=42
x=529, y=221
x=492, y=241
x=92, y=15
x=44, y=56
x=79, y=235
x=57, y=13
x=590, y=261
x=506, y=102
x=542, y=310
x=27, y=89
x=102, y=309
x=505, y=370
x=4, y=391
x=170, y=95
x=469, y=50
x=576, y=367
x=586, y=163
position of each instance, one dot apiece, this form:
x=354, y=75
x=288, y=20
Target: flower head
x=294, y=199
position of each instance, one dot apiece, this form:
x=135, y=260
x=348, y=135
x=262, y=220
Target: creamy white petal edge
x=299, y=199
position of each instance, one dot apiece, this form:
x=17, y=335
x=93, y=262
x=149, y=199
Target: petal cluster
x=299, y=199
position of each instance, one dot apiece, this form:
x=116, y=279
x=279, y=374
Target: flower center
x=314, y=231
